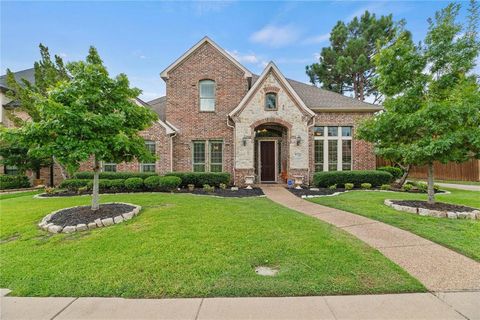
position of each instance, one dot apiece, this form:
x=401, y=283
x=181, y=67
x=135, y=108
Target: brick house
x=218, y=116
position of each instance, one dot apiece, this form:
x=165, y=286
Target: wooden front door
x=267, y=161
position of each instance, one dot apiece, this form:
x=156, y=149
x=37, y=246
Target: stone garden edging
x=434, y=213
x=98, y=223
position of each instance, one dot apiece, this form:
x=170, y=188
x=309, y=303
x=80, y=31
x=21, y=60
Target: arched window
x=207, y=95
x=271, y=101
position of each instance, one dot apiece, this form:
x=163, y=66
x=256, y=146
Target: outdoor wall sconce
x=299, y=140
x=244, y=140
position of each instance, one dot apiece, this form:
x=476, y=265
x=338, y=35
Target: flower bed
x=439, y=209
x=82, y=218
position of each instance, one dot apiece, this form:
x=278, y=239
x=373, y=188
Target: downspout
x=309, y=155
x=171, y=150
x=234, y=150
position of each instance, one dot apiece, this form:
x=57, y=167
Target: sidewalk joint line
x=446, y=303
x=199, y=307
x=359, y=224
x=329, y=308
x=63, y=309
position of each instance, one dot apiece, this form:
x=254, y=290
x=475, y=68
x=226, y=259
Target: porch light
x=244, y=140
x=299, y=140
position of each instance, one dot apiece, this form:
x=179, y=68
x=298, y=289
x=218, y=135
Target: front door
x=267, y=161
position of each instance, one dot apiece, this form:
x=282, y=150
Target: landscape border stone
x=434, y=213
x=46, y=225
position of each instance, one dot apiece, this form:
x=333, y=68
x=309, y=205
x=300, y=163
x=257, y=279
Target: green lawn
x=472, y=183
x=188, y=246
x=460, y=235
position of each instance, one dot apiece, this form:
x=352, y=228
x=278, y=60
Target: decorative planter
x=191, y=187
x=298, y=182
x=249, y=181
x=434, y=213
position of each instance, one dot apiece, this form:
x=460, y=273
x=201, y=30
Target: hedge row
x=14, y=182
x=114, y=175
x=374, y=177
x=152, y=183
x=396, y=172
x=199, y=179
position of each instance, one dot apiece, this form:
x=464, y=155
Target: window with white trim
x=109, y=167
x=207, y=156
x=149, y=167
x=11, y=170
x=207, y=95
x=332, y=148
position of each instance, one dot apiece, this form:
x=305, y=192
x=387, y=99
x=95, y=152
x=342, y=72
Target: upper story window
x=149, y=167
x=271, y=101
x=207, y=95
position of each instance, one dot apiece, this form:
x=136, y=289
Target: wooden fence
x=466, y=171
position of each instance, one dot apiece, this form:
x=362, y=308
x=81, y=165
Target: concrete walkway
x=469, y=187
x=436, y=267
x=463, y=305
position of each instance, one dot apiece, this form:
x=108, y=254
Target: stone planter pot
x=249, y=181
x=191, y=187
x=38, y=182
x=298, y=182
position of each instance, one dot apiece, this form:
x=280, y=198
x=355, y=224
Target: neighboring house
x=219, y=117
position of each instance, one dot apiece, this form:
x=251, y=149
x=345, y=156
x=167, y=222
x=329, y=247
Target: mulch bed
x=84, y=214
x=439, y=206
x=307, y=192
x=227, y=193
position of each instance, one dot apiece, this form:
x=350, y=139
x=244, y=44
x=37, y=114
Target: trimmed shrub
x=349, y=186
x=422, y=187
x=385, y=187
x=394, y=171
x=134, y=184
x=208, y=188
x=75, y=184
x=14, y=182
x=114, y=185
x=114, y=175
x=167, y=183
x=407, y=187
x=333, y=187
x=366, y=185
x=340, y=178
x=200, y=178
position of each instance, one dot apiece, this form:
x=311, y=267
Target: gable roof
x=27, y=74
x=318, y=99
x=164, y=73
x=158, y=105
x=271, y=67
x=169, y=129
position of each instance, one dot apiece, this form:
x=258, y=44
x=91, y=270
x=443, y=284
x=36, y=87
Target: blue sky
x=142, y=38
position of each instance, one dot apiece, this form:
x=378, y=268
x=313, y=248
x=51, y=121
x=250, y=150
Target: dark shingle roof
x=320, y=99
x=158, y=105
x=28, y=74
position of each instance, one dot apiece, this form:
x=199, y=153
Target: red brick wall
x=182, y=109
x=363, y=157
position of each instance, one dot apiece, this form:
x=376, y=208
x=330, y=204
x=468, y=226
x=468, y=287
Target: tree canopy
x=432, y=109
x=346, y=65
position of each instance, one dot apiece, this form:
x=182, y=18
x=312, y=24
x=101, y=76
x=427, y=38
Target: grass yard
x=471, y=183
x=460, y=235
x=188, y=246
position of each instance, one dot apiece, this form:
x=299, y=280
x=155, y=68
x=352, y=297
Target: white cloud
x=150, y=95
x=293, y=60
x=317, y=39
x=203, y=7
x=62, y=55
x=244, y=58
x=276, y=36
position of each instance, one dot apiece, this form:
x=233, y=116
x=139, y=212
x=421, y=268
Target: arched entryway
x=271, y=152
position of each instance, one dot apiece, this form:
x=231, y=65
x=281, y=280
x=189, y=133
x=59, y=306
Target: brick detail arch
x=271, y=120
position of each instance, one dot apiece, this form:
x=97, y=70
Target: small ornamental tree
x=432, y=109
x=91, y=116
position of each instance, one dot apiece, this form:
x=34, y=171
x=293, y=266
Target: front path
x=436, y=267
x=454, y=305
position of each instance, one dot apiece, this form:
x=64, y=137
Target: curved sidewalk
x=436, y=267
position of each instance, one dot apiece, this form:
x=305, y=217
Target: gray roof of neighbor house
x=158, y=105
x=27, y=74
x=319, y=99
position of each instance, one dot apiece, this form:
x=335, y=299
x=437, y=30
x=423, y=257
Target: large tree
x=432, y=109
x=346, y=65
x=90, y=116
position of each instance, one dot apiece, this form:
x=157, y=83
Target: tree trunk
x=95, y=195
x=431, y=191
x=362, y=83
x=406, y=171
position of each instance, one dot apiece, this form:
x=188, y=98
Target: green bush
x=208, y=188
x=340, y=178
x=74, y=184
x=349, y=186
x=332, y=187
x=166, y=183
x=114, y=185
x=134, y=184
x=394, y=171
x=114, y=175
x=14, y=182
x=200, y=178
x=385, y=187
x=407, y=187
x=423, y=187
x=366, y=186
